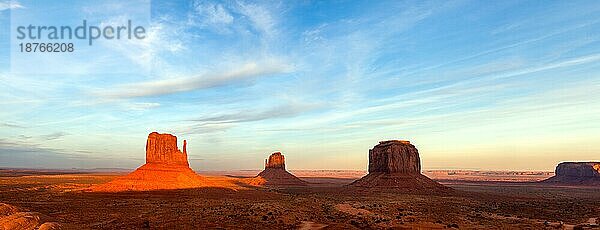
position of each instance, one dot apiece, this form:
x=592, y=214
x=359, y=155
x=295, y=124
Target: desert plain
x=478, y=200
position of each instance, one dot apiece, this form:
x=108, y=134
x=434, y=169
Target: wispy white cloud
x=484, y=79
x=555, y=65
x=25, y=154
x=286, y=110
x=10, y=4
x=503, y=48
x=244, y=72
x=352, y=46
x=261, y=18
x=140, y=106
x=54, y=136
x=243, y=18
x=10, y=125
x=146, y=53
x=507, y=27
x=208, y=14
x=377, y=112
x=226, y=120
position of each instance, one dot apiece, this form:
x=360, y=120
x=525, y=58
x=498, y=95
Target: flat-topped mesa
x=396, y=165
x=578, y=169
x=394, y=142
x=276, y=160
x=394, y=156
x=576, y=173
x=162, y=149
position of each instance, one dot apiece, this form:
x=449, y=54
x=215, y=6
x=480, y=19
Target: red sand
x=165, y=177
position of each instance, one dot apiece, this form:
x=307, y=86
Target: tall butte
x=275, y=173
x=396, y=165
x=166, y=168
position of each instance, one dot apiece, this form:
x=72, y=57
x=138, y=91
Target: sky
x=487, y=85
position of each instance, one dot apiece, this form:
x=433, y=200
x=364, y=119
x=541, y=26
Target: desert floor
x=326, y=204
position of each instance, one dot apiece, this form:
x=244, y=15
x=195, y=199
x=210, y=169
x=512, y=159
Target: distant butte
x=576, y=173
x=275, y=161
x=275, y=173
x=395, y=156
x=395, y=164
x=166, y=168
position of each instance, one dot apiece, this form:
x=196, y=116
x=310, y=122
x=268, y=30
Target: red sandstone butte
x=276, y=160
x=166, y=168
x=396, y=164
x=275, y=173
x=162, y=149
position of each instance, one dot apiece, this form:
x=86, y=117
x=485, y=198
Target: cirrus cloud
x=248, y=71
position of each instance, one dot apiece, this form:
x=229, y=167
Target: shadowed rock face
x=396, y=165
x=577, y=173
x=578, y=169
x=162, y=149
x=394, y=157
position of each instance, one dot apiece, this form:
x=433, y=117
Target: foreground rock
x=166, y=168
x=275, y=173
x=12, y=217
x=396, y=165
x=576, y=173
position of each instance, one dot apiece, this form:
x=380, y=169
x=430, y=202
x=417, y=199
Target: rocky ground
x=325, y=204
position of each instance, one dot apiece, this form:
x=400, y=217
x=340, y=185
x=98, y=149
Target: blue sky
x=512, y=85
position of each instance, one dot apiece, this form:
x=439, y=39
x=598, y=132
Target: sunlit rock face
x=12, y=217
x=276, y=160
x=584, y=173
x=396, y=164
x=275, y=173
x=162, y=149
x=166, y=168
x=394, y=157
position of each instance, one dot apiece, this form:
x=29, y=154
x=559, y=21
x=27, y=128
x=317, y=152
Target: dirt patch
x=308, y=225
x=347, y=208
